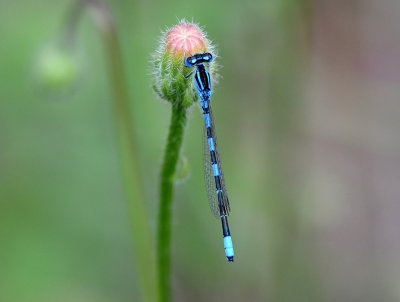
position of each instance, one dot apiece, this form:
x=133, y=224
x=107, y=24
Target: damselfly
x=217, y=195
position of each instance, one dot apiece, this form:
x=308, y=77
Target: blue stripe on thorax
x=199, y=84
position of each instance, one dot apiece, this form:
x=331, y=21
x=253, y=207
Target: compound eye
x=208, y=57
x=188, y=62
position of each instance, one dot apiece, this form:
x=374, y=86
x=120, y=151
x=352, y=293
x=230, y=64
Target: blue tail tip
x=230, y=258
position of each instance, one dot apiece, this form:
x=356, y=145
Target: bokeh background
x=307, y=115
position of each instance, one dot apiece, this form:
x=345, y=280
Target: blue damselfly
x=215, y=183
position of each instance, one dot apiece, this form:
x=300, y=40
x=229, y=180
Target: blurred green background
x=307, y=115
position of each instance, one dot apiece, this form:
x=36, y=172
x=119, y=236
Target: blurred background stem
x=171, y=156
x=287, y=74
x=131, y=176
x=71, y=22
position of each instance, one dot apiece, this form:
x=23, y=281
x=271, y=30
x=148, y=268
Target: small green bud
x=176, y=44
x=183, y=169
x=56, y=70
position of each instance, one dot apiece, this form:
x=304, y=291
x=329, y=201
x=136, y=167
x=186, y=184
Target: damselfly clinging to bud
x=217, y=194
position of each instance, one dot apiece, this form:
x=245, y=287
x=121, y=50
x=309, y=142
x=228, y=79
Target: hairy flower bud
x=176, y=44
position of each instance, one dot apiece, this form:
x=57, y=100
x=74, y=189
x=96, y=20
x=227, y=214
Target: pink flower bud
x=182, y=40
x=185, y=39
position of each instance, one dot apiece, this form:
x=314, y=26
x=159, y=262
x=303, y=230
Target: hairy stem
x=131, y=177
x=171, y=156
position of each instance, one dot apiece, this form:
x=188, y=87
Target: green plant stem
x=143, y=245
x=171, y=156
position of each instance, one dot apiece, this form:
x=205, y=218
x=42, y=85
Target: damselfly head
x=198, y=59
